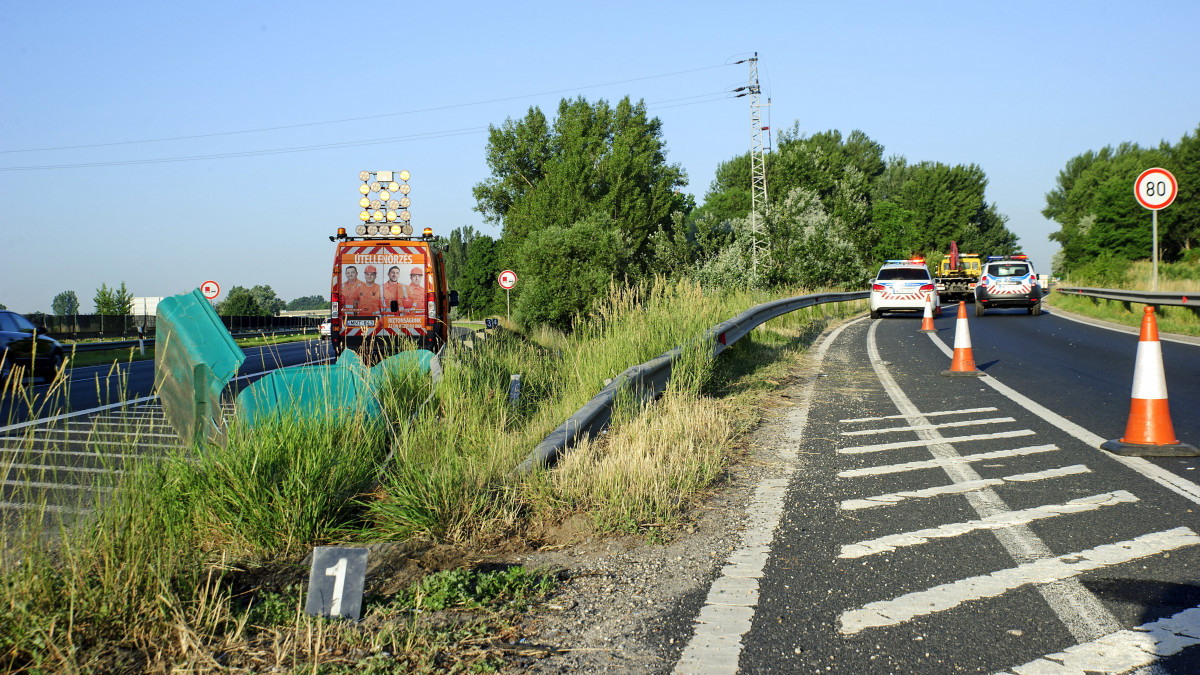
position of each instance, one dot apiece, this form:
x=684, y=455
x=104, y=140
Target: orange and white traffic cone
x=1149, y=432
x=927, y=320
x=963, y=363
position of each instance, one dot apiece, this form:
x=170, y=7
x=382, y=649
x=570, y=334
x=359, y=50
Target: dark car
x=17, y=339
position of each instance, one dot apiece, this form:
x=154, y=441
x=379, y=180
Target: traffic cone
x=1149, y=432
x=927, y=320
x=963, y=363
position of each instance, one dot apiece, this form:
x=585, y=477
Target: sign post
x=1155, y=189
x=507, y=279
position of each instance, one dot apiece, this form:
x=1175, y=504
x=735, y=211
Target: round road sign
x=1155, y=189
x=507, y=279
x=210, y=289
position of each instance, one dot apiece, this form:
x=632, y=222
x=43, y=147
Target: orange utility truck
x=388, y=285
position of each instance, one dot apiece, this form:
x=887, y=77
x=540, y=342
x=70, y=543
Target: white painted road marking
x=943, y=463
x=929, y=414
x=1080, y=611
x=1177, y=484
x=1122, y=651
x=861, y=449
x=948, y=596
x=728, y=610
x=894, y=498
x=963, y=423
x=1010, y=519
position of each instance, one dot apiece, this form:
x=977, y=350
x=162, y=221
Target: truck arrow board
x=1155, y=189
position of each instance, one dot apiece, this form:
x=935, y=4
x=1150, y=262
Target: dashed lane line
x=962, y=423
x=1044, y=571
x=893, y=498
x=892, y=542
x=880, y=447
x=1122, y=651
x=941, y=463
x=964, y=411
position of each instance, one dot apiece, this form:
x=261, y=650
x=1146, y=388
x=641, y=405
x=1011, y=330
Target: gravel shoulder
x=626, y=605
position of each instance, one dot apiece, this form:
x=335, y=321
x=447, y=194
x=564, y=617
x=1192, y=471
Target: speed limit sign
x=1155, y=189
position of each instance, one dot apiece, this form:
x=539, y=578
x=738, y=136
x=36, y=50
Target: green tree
x=308, y=302
x=3, y=306
x=113, y=301
x=240, y=302
x=478, y=289
x=457, y=244
x=568, y=269
x=594, y=160
x=65, y=304
x=266, y=300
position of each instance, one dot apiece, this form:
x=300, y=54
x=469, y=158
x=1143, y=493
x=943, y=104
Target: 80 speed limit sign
x=1155, y=189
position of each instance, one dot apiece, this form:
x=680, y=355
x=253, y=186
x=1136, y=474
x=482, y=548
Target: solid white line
x=716, y=644
x=963, y=423
x=1080, y=611
x=1177, y=484
x=1010, y=519
x=940, y=463
x=64, y=416
x=860, y=449
x=1067, y=566
x=1122, y=651
x=929, y=414
x=87, y=442
x=894, y=498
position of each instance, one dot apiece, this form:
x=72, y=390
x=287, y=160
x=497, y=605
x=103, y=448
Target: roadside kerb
x=646, y=380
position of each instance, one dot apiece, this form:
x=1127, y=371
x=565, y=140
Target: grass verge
x=195, y=561
x=1176, y=277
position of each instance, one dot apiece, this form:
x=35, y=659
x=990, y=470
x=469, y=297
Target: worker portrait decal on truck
x=383, y=289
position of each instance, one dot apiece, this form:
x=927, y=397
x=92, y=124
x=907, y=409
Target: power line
x=721, y=96
x=360, y=119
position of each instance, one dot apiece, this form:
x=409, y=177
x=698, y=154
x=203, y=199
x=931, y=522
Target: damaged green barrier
x=196, y=358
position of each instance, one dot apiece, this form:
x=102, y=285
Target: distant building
x=145, y=306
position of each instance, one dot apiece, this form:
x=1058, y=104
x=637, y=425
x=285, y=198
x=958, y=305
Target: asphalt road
x=952, y=524
x=91, y=387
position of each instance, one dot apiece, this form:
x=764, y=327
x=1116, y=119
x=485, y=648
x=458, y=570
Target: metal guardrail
x=646, y=380
x=149, y=342
x=1141, y=297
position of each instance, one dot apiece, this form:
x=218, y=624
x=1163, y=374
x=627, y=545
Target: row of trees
x=589, y=198
x=1099, y=218
x=257, y=301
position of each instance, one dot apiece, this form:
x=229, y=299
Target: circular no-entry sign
x=1155, y=189
x=210, y=289
x=507, y=279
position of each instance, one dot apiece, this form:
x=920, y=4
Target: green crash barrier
x=346, y=387
x=194, y=358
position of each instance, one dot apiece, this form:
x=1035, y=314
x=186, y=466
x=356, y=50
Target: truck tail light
x=432, y=309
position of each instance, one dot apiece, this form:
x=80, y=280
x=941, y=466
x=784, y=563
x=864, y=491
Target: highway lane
x=933, y=524
x=90, y=387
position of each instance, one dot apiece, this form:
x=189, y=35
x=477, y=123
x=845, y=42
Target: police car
x=903, y=285
x=1008, y=281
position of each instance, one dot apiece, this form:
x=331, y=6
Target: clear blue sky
x=1016, y=87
